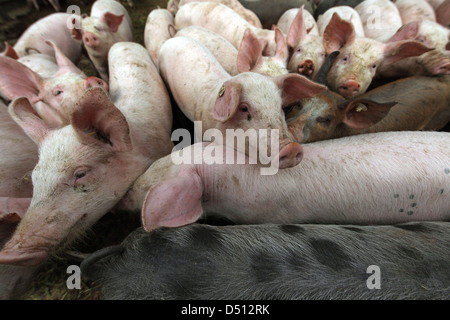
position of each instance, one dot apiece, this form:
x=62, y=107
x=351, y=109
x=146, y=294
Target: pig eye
x=97, y=28
x=57, y=92
x=374, y=66
x=299, y=50
x=80, y=173
x=325, y=120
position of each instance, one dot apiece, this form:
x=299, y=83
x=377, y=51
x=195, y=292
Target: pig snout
x=91, y=40
x=349, y=88
x=92, y=82
x=306, y=68
x=23, y=256
x=442, y=69
x=290, y=155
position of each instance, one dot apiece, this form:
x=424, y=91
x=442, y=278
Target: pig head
x=84, y=169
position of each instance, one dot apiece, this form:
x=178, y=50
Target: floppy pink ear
x=405, y=32
x=10, y=52
x=297, y=31
x=337, y=34
x=363, y=113
x=174, y=202
x=112, y=20
x=227, y=101
x=395, y=51
x=97, y=121
x=29, y=120
x=17, y=80
x=295, y=87
x=250, y=52
x=64, y=63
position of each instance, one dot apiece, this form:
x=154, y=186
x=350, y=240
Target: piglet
x=156, y=31
x=94, y=160
x=395, y=106
x=248, y=15
x=223, y=20
x=286, y=261
x=107, y=24
x=360, y=57
x=206, y=92
x=53, y=27
x=56, y=94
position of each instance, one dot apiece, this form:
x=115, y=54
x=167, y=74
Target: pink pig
x=56, y=95
x=156, y=31
x=206, y=93
x=108, y=23
x=86, y=167
x=379, y=178
x=359, y=58
x=223, y=20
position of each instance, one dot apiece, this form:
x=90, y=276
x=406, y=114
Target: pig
x=434, y=62
x=435, y=3
x=325, y=5
x=285, y=21
x=360, y=57
x=276, y=261
x=380, y=18
x=248, y=15
x=156, y=31
x=417, y=10
x=307, y=50
x=108, y=23
x=224, y=102
x=56, y=95
x=95, y=159
x=223, y=20
x=374, y=178
x=345, y=13
x=443, y=14
x=54, y=28
x=269, y=12
x=249, y=57
x=395, y=106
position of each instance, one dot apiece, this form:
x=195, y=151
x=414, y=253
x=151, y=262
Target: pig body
x=443, y=13
x=399, y=107
x=380, y=18
x=377, y=178
x=325, y=5
x=346, y=13
x=205, y=92
x=53, y=27
x=418, y=10
x=248, y=15
x=223, y=20
x=271, y=261
x=108, y=23
x=95, y=159
x=156, y=31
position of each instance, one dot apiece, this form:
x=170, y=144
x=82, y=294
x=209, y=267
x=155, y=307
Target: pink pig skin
x=241, y=105
x=417, y=10
x=379, y=178
x=223, y=20
x=156, y=31
x=94, y=160
x=50, y=28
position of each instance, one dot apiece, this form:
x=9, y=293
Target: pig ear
x=250, y=52
x=28, y=119
x=17, y=80
x=295, y=87
x=337, y=34
x=112, y=20
x=64, y=63
x=282, y=52
x=174, y=202
x=297, y=31
x=10, y=52
x=363, y=113
x=405, y=32
x=395, y=51
x=227, y=101
x=96, y=120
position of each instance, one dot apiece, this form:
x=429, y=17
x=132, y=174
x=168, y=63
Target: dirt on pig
x=50, y=283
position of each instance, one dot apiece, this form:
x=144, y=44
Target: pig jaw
x=61, y=209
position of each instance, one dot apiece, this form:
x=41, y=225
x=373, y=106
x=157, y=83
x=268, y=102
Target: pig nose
x=349, y=88
x=22, y=258
x=442, y=69
x=290, y=155
x=90, y=39
x=306, y=68
x=92, y=82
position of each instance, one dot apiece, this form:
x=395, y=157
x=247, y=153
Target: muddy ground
x=50, y=282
